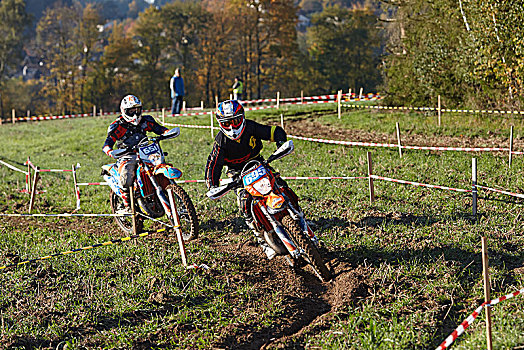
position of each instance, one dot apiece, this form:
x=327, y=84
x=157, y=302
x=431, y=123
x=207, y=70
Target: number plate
x=254, y=175
x=150, y=149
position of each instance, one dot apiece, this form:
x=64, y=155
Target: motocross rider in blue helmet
x=238, y=142
x=127, y=131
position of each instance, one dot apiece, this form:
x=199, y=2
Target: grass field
x=407, y=268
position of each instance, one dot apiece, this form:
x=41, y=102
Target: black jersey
x=236, y=153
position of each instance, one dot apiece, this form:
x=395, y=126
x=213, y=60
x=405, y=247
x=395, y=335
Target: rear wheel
x=312, y=255
x=124, y=222
x=186, y=213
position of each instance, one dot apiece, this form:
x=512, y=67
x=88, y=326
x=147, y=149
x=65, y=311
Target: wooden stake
x=230, y=96
x=282, y=120
x=302, y=96
x=474, y=190
x=339, y=106
x=371, y=186
x=360, y=94
x=13, y=115
x=28, y=177
x=28, y=114
x=349, y=94
x=33, y=190
x=184, y=106
x=487, y=288
x=398, y=140
x=133, y=210
x=176, y=222
x=439, y=110
x=94, y=111
x=163, y=116
x=77, y=190
x=201, y=104
x=510, y=145
x=278, y=99
x=216, y=101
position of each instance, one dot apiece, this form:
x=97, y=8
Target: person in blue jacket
x=177, y=92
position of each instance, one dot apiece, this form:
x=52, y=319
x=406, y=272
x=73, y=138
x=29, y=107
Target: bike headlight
x=263, y=186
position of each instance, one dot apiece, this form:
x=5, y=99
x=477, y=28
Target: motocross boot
x=270, y=252
x=127, y=202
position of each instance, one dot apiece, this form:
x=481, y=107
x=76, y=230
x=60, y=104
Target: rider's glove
x=107, y=150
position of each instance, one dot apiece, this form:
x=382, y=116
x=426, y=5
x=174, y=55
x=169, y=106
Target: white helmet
x=230, y=117
x=131, y=109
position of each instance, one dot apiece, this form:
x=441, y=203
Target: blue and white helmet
x=231, y=119
x=131, y=109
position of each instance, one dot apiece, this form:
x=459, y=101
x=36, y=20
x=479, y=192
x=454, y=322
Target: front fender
x=168, y=171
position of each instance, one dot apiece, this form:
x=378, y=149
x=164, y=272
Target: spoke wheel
x=186, y=213
x=312, y=255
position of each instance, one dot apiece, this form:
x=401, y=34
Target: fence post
x=163, y=116
x=474, y=189
x=13, y=115
x=184, y=106
x=176, y=222
x=230, y=96
x=487, y=287
x=349, y=94
x=94, y=111
x=216, y=101
x=339, y=106
x=360, y=94
x=439, y=110
x=28, y=176
x=510, y=145
x=278, y=99
x=211, y=118
x=133, y=211
x=28, y=115
x=77, y=190
x=398, y=140
x=201, y=104
x=301, y=96
x=371, y=186
x=33, y=190
x=282, y=120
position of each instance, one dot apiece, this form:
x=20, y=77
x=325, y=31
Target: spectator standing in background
x=238, y=88
x=177, y=92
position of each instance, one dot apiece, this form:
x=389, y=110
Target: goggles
x=235, y=122
x=134, y=111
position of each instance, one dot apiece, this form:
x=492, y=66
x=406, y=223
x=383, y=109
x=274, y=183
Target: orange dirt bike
x=153, y=178
x=277, y=215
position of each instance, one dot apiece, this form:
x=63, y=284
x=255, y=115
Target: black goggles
x=134, y=111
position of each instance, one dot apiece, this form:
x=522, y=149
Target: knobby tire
x=312, y=253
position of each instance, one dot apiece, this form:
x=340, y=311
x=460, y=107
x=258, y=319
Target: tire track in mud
x=308, y=304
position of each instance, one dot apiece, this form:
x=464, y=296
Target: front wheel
x=186, y=213
x=124, y=222
x=312, y=254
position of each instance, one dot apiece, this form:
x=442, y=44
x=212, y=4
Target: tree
x=344, y=47
x=13, y=19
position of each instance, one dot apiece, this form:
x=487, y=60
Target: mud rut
x=310, y=306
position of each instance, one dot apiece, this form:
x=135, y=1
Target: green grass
x=410, y=261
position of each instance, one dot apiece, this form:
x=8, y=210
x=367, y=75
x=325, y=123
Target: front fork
x=293, y=250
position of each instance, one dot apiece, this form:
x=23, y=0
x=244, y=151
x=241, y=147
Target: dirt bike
x=153, y=178
x=277, y=215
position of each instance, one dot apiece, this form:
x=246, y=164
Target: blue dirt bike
x=154, y=177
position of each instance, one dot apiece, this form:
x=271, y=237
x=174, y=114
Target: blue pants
x=176, y=106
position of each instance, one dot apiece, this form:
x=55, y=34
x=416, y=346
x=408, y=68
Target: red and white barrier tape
x=197, y=267
x=518, y=195
x=283, y=177
x=418, y=184
x=461, y=328
x=448, y=110
x=190, y=126
x=347, y=143
x=13, y=168
x=28, y=162
x=471, y=318
x=390, y=145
